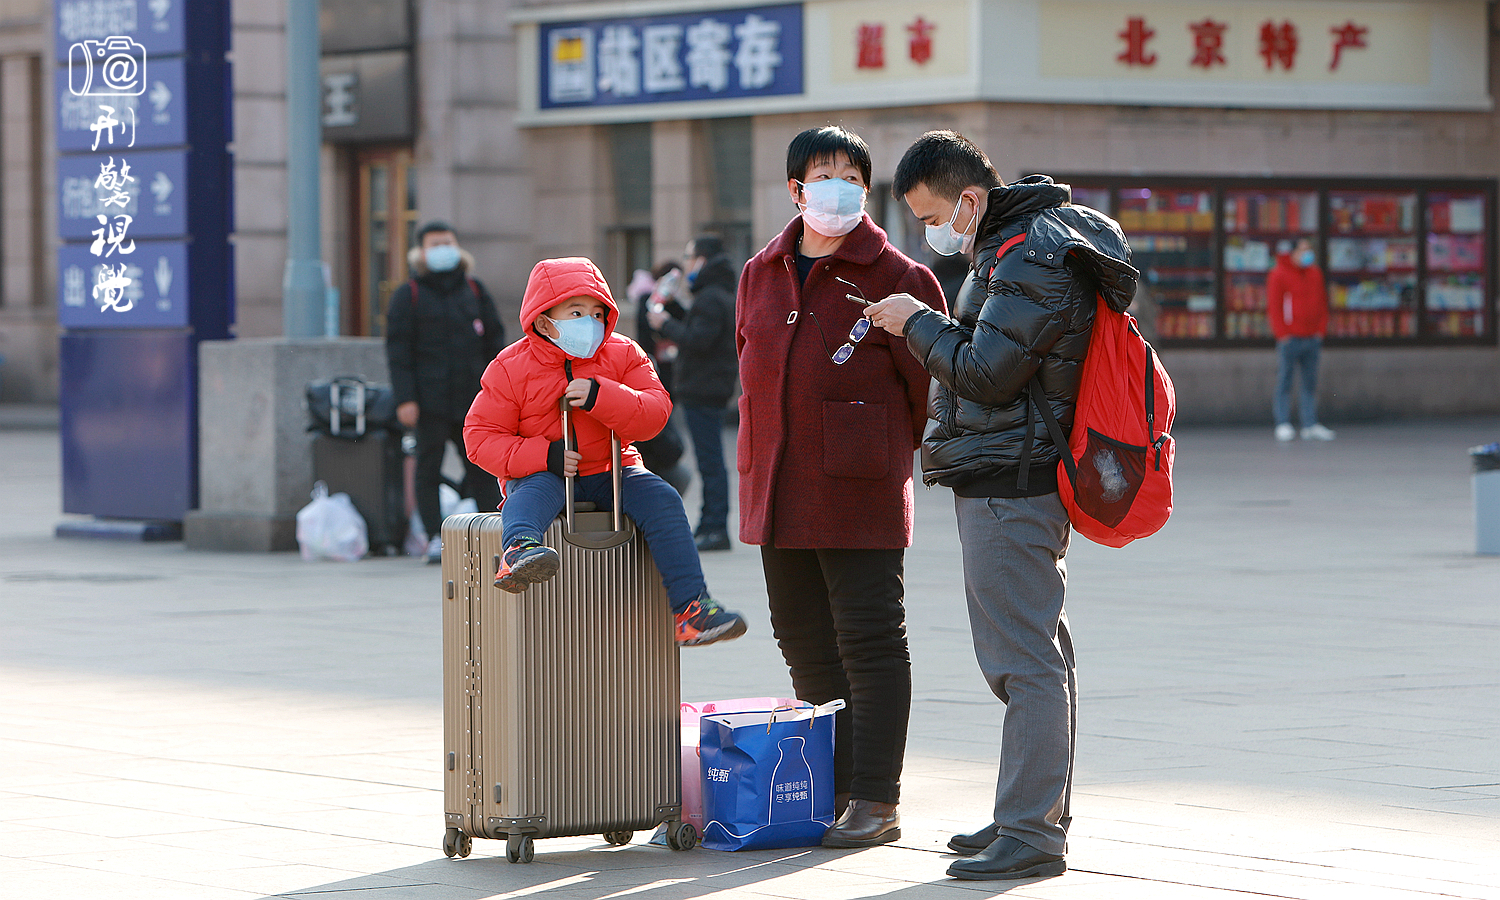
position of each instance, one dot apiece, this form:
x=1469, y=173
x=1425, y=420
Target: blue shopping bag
x=767, y=777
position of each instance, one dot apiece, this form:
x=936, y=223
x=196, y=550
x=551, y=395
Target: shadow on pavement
x=608, y=872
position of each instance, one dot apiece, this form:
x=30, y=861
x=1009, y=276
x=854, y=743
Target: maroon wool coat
x=825, y=451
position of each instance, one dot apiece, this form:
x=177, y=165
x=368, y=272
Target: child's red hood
x=554, y=280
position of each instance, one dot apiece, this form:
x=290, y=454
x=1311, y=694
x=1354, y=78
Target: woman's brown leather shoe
x=865, y=824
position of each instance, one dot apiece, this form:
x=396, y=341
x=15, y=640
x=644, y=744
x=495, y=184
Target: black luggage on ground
x=369, y=470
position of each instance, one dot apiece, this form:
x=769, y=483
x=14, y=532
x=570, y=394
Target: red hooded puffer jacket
x=515, y=417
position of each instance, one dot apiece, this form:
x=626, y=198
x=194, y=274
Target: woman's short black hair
x=817, y=145
x=945, y=161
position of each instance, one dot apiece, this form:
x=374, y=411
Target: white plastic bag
x=331, y=528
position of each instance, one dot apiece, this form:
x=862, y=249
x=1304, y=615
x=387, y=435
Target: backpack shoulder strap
x=413, y=283
x=999, y=254
x=1054, y=427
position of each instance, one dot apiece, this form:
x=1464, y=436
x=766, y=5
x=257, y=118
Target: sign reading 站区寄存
x=1329, y=54
x=717, y=54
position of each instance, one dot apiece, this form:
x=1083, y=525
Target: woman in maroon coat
x=831, y=414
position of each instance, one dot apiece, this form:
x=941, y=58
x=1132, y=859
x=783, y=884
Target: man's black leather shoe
x=970, y=844
x=865, y=824
x=1008, y=858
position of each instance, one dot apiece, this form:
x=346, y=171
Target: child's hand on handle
x=571, y=459
x=578, y=391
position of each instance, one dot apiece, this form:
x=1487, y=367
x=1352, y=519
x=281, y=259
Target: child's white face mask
x=579, y=338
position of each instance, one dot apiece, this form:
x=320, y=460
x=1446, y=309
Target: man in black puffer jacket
x=704, y=374
x=1022, y=334
x=441, y=331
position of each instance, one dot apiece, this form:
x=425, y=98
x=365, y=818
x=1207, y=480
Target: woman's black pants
x=839, y=619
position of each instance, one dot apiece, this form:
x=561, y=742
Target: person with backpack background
x=1023, y=334
x=441, y=330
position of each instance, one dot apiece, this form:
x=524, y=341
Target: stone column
x=680, y=200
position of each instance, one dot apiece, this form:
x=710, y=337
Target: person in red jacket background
x=514, y=430
x=1297, y=303
x=831, y=413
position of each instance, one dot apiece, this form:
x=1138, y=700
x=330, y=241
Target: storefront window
x=1372, y=264
x=1405, y=261
x=1094, y=198
x=1171, y=231
x=1457, y=279
x=1256, y=223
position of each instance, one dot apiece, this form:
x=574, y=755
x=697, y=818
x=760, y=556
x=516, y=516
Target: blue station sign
x=114, y=198
x=106, y=123
x=710, y=55
x=145, y=288
x=99, y=37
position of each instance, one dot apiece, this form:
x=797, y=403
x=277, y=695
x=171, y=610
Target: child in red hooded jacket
x=514, y=431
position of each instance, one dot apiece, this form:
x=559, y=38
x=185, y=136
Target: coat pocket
x=744, y=439
x=855, y=441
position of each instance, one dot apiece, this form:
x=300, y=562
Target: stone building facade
x=628, y=183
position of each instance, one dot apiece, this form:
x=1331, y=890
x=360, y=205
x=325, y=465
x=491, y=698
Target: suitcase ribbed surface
x=561, y=704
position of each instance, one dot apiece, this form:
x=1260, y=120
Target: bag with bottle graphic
x=768, y=777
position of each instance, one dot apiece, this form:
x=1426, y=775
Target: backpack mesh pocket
x=1109, y=476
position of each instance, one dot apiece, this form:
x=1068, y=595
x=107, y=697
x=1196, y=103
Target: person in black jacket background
x=441, y=331
x=704, y=373
x=1020, y=339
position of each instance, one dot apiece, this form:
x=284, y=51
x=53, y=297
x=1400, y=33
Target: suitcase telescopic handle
x=616, y=453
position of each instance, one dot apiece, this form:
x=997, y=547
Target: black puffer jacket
x=437, y=346
x=1031, y=314
x=706, y=366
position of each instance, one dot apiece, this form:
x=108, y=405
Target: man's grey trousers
x=1015, y=577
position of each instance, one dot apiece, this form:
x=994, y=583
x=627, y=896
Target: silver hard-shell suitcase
x=561, y=704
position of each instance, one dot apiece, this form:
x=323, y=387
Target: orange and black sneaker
x=706, y=622
x=525, y=562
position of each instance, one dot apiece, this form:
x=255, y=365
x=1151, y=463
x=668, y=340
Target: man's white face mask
x=945, y=240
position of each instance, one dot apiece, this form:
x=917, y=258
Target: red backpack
x=1115, y=476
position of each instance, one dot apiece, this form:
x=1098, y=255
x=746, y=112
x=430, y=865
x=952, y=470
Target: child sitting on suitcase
x=514, y=431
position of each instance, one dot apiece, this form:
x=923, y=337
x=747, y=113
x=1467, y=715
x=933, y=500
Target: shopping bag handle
x=831, y=706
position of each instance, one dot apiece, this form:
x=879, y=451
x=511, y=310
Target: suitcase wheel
x=520, y=848
x=618, y=838
x=682, y=836
x=456, y=843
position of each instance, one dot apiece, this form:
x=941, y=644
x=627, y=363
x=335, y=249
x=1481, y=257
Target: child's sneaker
x=705, y=621
x=526, y=562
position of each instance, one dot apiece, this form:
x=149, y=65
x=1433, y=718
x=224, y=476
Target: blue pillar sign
x=145, y=272
x=142, y=139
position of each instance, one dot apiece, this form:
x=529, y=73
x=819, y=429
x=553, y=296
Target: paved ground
x=1292, y=691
